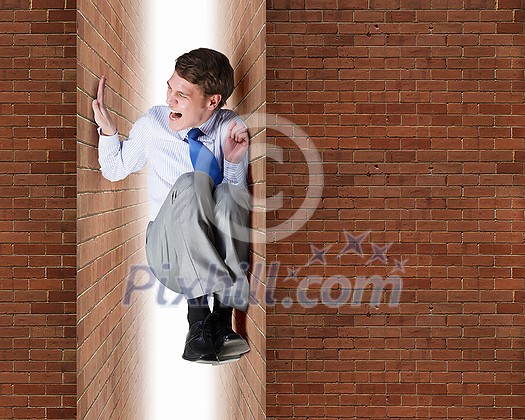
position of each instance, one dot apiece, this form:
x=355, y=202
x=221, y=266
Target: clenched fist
x=236, y=142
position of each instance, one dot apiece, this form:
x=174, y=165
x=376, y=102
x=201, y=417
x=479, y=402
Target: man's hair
x=209, y=69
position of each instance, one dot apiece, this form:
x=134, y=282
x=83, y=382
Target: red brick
x=449, y=103
x=30, y=60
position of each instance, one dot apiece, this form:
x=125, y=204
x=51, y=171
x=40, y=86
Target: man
x=197, y=241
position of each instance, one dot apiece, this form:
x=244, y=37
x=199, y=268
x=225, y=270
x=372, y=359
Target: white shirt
x=151, y=139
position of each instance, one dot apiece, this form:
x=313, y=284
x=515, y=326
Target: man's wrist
x=232, y=163
x=101, y=132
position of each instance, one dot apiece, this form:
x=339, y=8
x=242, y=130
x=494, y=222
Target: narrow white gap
x=179, y=389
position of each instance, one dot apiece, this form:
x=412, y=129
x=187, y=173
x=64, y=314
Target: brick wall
x=416, y=108
x=112, y=217
x=241, y=36
x=37, y=222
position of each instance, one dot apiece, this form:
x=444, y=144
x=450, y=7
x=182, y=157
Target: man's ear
x=213, y=101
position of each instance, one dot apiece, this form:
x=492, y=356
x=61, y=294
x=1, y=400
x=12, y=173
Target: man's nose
x=171, y=100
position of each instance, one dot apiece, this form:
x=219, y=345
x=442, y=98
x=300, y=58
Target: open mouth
x=174, y=116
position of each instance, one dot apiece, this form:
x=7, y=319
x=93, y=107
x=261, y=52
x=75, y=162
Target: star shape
x=353, y=243
x=318, y=254
x=379, y=253
x=399, y=265
x=292, y=274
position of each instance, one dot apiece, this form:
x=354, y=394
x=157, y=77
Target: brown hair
x=209, y=69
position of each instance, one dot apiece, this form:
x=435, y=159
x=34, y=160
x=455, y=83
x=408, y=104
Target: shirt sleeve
x=117, y=158
x=234, y=173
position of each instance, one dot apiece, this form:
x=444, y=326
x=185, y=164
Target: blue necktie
x=202, y=158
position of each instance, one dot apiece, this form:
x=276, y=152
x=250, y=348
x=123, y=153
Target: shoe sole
x=226, y=361
x=216, y=362
x=211, y=359
x=229, y=355
x=232, y=349
x=207, y=362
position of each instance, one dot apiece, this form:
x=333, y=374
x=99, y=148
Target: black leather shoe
x=228, y=344
x=200, y=345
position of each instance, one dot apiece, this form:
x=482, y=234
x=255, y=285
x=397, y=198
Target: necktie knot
x=194, y=133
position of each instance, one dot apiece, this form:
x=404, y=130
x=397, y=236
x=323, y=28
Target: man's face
x=188, y=105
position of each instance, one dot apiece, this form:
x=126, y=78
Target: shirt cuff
x=108, y=142
x=232, y=173
x=111, y=138
x=99, y=131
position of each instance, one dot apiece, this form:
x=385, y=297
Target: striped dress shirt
x=151, y=140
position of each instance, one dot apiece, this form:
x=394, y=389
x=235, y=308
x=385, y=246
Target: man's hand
x=236, y=142
x=102, y=117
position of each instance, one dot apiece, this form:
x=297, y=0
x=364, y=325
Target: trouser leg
x=231, y=230
x=180, y=242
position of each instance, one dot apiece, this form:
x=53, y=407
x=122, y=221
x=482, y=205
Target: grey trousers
x=199, y=242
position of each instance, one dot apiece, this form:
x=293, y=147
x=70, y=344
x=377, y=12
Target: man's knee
x=191, y=199
x=197, y=182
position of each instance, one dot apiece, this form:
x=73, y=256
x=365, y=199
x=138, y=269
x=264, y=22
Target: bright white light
x=180, y=390
x=178, y=27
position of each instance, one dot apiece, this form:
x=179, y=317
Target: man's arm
x=118, y=159
x=235, y=149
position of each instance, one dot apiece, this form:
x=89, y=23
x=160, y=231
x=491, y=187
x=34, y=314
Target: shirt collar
x=206, y=127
